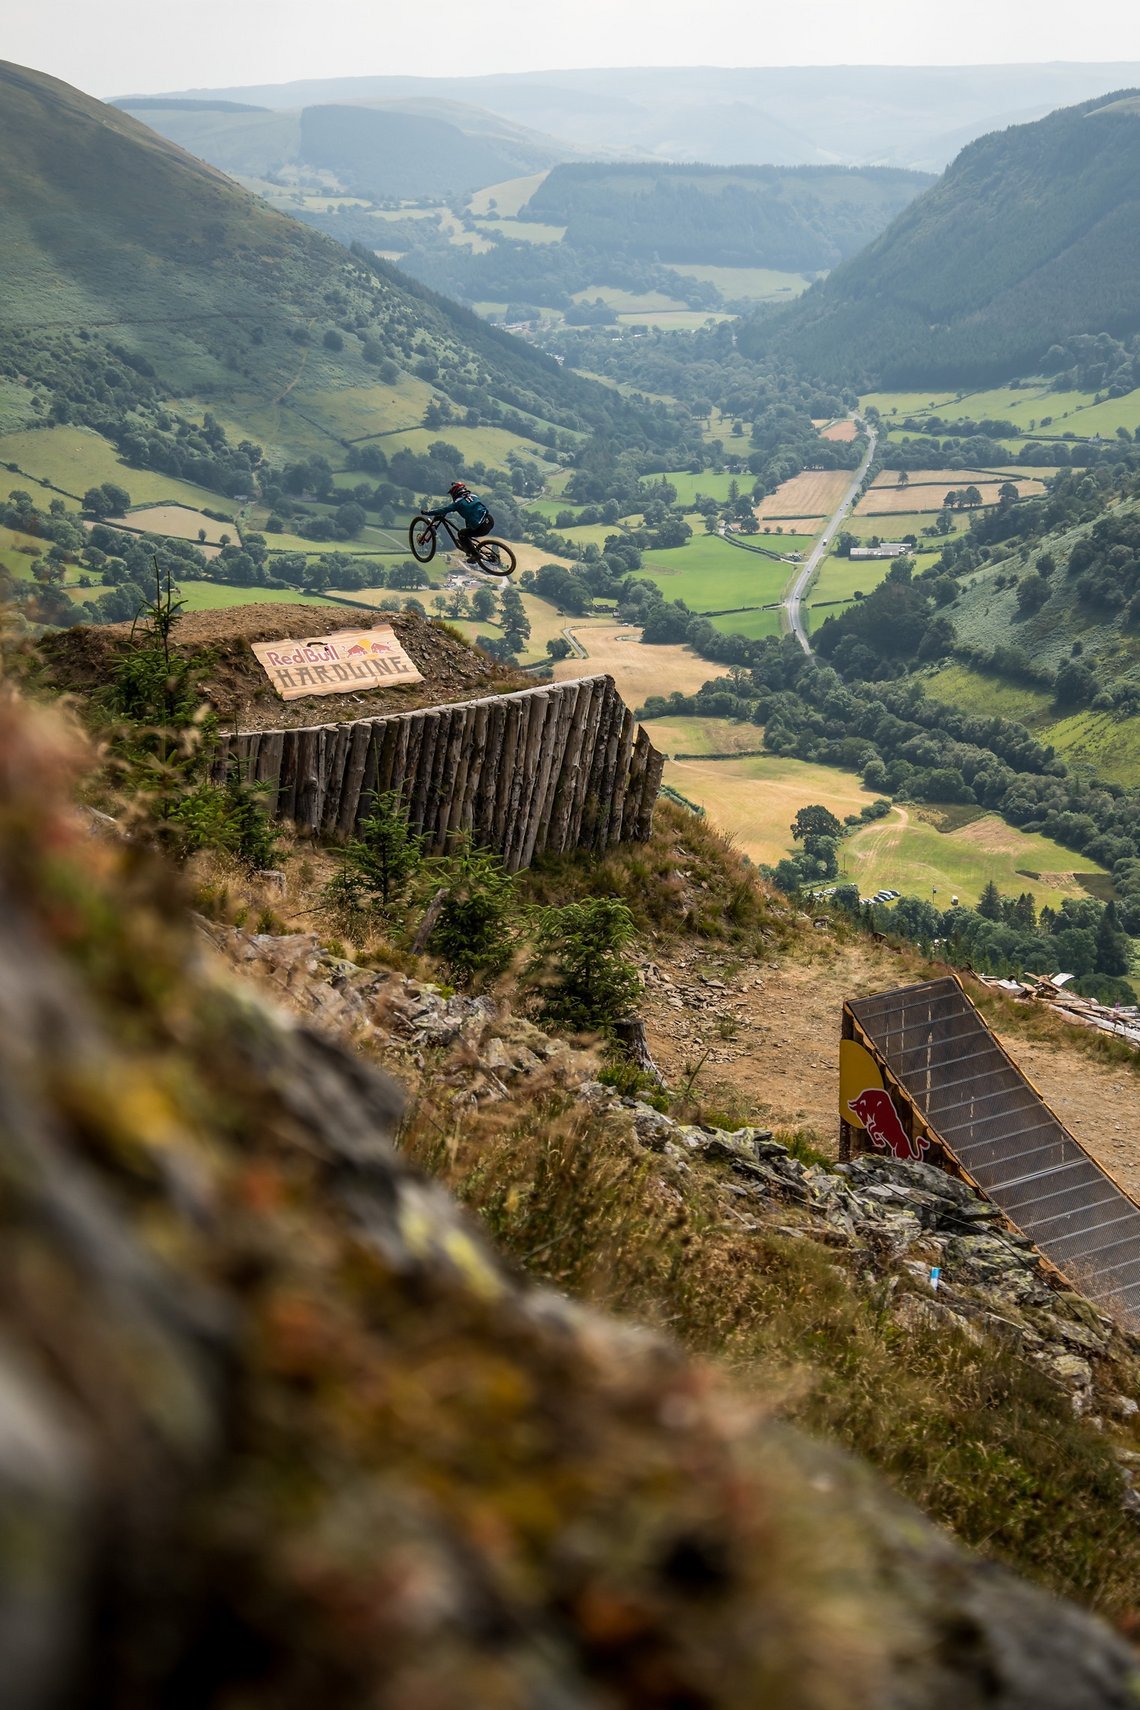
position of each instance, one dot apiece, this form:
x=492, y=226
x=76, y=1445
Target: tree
x=815, y=821
x=559, y=648
x=483, y=605
x=1113, y=946
x=989, y=904
x=587, y=983
x=1032, y=593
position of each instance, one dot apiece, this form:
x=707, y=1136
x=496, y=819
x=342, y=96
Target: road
x=800, y=586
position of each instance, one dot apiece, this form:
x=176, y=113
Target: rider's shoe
x=472, y=563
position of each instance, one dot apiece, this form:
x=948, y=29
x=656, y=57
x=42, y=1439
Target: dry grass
x=815, y=493
x=844, y=432
x=638, y=671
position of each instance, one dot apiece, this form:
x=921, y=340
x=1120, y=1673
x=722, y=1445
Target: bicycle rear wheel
x=495, y=557
x=421, y=539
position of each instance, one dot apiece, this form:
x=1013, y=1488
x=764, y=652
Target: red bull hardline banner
x=347, y=661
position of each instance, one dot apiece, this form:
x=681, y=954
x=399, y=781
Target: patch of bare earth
x=236, y=686
x=769, y=1031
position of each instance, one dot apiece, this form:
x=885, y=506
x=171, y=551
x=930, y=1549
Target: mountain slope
x=890, y=115
x=803, y=219
x=401, y=150
x=131, y=273
x=1031, y=237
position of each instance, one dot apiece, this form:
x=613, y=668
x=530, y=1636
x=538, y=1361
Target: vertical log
x=368, y=781
x=578, y=697
x=483, y=804
x=654, y=767
x=623, y=831
x=398, y=776
x=549, y=765
x=336, y=759
x=417, y=726
x=443, y=765
x=542, y=710
x=387, y=740
x=269, y=768
x=429, y=727
x=290, y=756
x=592, y=806
x=470, y=766
x=306, y=774
x=593, y=717
x=353, y=776
x=531, y=711
x=617, y=784
x=499, y=821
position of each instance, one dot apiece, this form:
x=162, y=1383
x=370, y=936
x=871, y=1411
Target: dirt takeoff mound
x=81, y=660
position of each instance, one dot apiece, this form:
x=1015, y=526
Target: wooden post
x=429, y=728
x=617, y=784
x=269, y=768
x=578, y=696
x=518, y=832
x=290, y=754
x=483, y=815
x=551, y=765
x=654, y=767
x=353, y=777
x=471, y=766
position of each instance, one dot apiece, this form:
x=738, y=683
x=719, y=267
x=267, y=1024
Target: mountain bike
x=495, y=557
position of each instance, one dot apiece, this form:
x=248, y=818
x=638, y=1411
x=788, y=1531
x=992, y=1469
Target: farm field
x=1103, y=418
x=754, y=626
x=838, y=579
x=710, y=575
x=907, y=853
x=179, y=522
x=842, y=432
x=901, y=501
x=589, y=534
x=702, y=736
x=215, y=596
x=488, y=445
x=749, y=284
x=507, y=198
x=627, y=302
x=18, y=552
x=815, y=493
x=550, y=508
x=892, y=405
x=524, y=231
x=638, y=671
x=709, y=483
x=73, y=459
x=888, y=479
x=673, y=320
x=899, y=524
x=755, y=798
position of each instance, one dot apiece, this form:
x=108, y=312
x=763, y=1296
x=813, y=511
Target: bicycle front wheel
x=495, y=557
x=421, y=539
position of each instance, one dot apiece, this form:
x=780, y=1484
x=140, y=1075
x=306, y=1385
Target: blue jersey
x=472, y=511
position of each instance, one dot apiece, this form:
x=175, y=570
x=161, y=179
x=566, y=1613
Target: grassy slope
x=754, y=800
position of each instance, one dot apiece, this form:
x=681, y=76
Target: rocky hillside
x=281, y=1427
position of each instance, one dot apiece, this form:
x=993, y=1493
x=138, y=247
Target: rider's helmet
x=456, y=488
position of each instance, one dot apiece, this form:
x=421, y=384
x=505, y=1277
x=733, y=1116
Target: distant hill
x=803, y=218
x=132, y=275
x=912, y=116
x=1030, y=238
x=405, y=150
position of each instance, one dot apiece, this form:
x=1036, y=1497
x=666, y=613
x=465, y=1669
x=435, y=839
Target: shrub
x=473, y=934
x=587, y=984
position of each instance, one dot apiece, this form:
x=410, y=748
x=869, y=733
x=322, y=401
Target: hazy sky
x=135, y=46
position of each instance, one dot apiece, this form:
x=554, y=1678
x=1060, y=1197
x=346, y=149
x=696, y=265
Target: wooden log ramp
x=558, y=767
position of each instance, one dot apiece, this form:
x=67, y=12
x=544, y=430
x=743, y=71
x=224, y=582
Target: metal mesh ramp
x=993, y=1123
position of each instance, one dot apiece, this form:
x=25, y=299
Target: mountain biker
x=473, y=513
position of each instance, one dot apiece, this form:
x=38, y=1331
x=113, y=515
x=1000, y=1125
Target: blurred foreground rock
x=278, y=1430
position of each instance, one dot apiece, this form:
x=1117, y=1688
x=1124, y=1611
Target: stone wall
x=558, y=767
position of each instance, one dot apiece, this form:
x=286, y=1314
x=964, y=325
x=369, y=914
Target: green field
x=507, y=198
x=550, y=508
x=1029, y=408
x=1101, y=741
x=73, y=459
x=754, y=626
x=673, y=320
x=752, y=284
x=14, y=553
x=708, y=483
x=524, y=231
x=838, y=578
x=755, y=799
x=627, y=302
x=589, y=534
x=976, y=692
x=710, y=575
x=488, y=445
x=214, y=596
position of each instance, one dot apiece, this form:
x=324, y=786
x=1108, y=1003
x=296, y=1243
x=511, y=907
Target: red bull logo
x=879, y=1117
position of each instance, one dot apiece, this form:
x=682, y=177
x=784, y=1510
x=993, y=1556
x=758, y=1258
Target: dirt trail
x=771, y=1032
